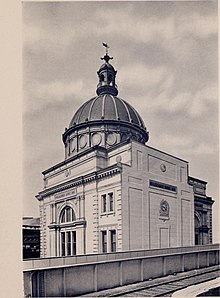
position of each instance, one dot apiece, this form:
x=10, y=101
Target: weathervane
x=106, y=57
x=106, y=47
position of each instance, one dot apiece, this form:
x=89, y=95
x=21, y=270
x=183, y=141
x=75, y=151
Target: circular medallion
x=163, y=167
x=96, y=139
x=164, y=208
x=118, y=158
x=67, y=173
x=111, y=139
x=82, y=141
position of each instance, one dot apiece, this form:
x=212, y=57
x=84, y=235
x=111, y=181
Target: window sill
x=107, y=213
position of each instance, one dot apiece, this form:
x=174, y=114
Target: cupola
x=107, y=75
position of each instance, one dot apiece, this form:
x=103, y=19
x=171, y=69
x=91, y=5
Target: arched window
x=67, y=232
x=67, y=215
x=102, y=78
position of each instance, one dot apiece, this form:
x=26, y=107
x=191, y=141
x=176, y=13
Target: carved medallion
x=96, y=139
x=111, y=139
x=67, y=172
x=164, y=208
x=163, y=167
x=82, y=141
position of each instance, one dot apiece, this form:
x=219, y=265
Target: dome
x=104, y=120
x=106, y=107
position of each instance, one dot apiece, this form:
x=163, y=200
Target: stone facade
x=148, y=201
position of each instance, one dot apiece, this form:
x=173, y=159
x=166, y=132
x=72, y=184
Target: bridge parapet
x=72, y=276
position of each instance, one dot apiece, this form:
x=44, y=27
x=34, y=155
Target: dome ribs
x=84, y=111
x=122, y=111
x=95, y=112
x=110, y=113
x=106, y=107
x=116, y=109
x=103, y=107
x=76, y=117
x=136, y=114
x=125, y=105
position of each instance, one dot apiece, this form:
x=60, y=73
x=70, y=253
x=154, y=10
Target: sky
x=166, y=56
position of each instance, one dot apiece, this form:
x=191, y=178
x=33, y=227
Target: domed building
x=112, y=192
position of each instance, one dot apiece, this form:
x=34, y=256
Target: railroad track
x=166, y=290
x=164, y=286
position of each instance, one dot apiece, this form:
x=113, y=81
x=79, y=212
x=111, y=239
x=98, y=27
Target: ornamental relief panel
x=96, y=139
x=164, y=208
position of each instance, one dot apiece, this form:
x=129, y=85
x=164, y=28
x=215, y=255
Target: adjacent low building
x=31, y=237
x=112, y=192
x=203, y=212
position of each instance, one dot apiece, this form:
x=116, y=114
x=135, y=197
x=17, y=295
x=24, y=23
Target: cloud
x=184, y=145
x=142, y=76
x=55, y=38
x=197, y=25
x=39, y=95
x=156, y=27
x=194, y=105
x=58, y=90
x=203, y=100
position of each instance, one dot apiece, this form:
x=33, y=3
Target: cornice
x=94, y=176
x=197, y=180
x=205, y=200
x=75, y=157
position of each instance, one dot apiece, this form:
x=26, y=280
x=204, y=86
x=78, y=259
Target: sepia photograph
x=120, y=163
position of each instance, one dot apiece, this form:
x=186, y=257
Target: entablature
x=94, y=176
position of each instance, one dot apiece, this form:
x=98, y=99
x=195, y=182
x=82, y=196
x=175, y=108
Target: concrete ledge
x=56, y=262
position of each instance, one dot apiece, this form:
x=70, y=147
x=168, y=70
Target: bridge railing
x=72, y=276
x=93, y=258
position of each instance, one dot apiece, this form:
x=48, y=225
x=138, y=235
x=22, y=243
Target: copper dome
x=106, y=107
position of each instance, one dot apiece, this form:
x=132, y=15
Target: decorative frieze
x=94, y=176
x=66, y=194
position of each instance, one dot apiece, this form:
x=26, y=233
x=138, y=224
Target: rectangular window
x=113, y=240
x=111, y=202
x=104, y=203
x=68, y=236
x=74, y=243
x=63, y=243
x=104, y=241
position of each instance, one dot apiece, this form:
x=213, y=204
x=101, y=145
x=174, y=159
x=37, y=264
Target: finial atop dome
x=106, y=57
x=107, y=75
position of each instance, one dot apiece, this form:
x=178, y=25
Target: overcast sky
x=166, y=57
